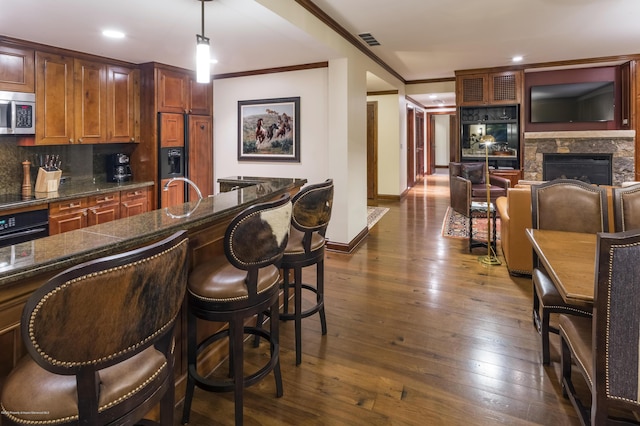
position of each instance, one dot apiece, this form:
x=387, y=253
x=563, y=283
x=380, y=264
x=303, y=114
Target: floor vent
x=369, y=39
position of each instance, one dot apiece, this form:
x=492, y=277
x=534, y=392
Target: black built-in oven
x=23, y=226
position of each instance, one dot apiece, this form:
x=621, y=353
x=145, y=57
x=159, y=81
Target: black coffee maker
x=118, y=168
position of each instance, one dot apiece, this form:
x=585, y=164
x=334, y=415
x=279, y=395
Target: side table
x=478, y=210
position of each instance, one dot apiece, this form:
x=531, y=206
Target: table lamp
x=491, y=258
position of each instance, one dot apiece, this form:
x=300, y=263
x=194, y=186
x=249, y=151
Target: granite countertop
x=71, y=190
x=61, y=251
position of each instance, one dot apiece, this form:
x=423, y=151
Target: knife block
x=48, y=181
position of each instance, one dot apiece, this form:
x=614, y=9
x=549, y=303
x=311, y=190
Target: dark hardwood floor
x=419, y=332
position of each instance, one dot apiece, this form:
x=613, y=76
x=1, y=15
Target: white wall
x=311, y=86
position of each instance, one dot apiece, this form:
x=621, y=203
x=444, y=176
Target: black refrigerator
x=185, y=150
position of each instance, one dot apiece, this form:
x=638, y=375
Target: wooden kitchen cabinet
x=103, y=208
x=82, y=101
x=174, y=194
x=81, y=212
x=68, y=215
x=90, y=101
x=179, y=92
x=133, y=202
x=200, y=98
x=17, y=69
x=200, y=154
x=489, y=88
x=54, y=99
x=123, y=104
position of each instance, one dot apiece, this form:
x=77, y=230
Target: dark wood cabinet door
x=60, y=223
x=171, y=130
x=17, y=69
x=103, y=208
x=54, y=99
x=90, y=101
x=133, y=202
x=200, y=98
x=200, y=154
x=122, y=106
x=172, y=91
x=174, y=195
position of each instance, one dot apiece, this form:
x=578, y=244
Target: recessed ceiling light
x=113, y=34
x=432, y=96
x=517, y=58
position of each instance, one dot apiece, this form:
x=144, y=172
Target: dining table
x=570, y=261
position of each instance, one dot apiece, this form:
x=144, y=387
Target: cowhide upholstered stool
x=309, y=221
x=234, y=287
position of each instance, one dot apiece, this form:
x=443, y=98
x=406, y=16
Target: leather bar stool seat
x=232, y=288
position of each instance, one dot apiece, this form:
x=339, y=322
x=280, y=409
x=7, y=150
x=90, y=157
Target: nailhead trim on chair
x=54, y=361
x=228, y=299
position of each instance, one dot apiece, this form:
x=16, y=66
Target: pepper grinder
x=26, y=180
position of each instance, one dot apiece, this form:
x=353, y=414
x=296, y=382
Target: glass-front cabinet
x=501, y=122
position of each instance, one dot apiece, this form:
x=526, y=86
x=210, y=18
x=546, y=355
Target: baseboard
x=348, y=248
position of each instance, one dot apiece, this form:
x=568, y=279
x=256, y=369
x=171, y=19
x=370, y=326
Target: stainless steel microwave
x=17, y=113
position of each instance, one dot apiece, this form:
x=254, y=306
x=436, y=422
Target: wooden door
x=54, y=99
x=411, y=170
x=200, y=155
x=90, y=101
x=122, y=104
x=372, y=150
x=420, y=154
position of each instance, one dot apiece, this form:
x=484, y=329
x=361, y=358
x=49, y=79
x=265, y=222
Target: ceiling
x=419, y=39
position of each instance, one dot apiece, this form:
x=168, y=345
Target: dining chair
x=99, y=338
x=562, y=205
x=232, y=288
x=605, y=349
x=626, y=207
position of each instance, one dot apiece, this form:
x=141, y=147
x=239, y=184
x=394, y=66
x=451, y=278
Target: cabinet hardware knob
x=79, y=140
x=70, y=140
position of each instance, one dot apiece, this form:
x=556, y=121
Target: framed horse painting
x=269, y=130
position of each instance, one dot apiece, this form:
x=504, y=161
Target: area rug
x=374, y=214
x=456, y=225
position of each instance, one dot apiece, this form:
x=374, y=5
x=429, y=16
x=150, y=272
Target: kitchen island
x=205, y=220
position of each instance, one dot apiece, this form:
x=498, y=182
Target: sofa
x=514, y=211
x=515, y=216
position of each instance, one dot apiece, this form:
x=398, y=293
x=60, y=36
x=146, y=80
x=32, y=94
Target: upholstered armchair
x=467, y=184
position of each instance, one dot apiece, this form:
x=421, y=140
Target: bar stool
x=234, y=287
x=309, y=221
x=99, y=338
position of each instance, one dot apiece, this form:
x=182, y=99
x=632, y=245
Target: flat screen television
x=573, y=102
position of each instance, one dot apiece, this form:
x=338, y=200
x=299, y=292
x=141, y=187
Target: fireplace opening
x=590, y=168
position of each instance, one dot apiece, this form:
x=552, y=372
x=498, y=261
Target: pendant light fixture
x=203, y=58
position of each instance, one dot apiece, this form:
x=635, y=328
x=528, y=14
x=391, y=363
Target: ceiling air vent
x=369, y=39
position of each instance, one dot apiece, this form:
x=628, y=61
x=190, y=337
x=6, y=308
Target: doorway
x=372, y=150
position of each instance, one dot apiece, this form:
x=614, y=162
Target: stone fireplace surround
x=619, y=143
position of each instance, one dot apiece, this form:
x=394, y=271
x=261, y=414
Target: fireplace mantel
x=582, y=134
x=619, y=143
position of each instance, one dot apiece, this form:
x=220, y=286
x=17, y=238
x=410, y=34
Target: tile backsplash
x=79, y=162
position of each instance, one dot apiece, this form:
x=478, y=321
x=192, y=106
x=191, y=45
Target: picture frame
x=269, y=130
